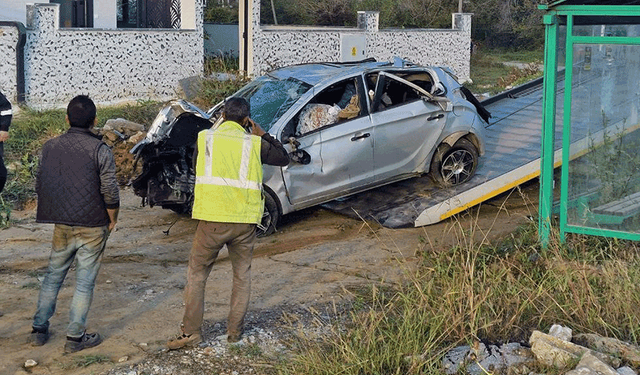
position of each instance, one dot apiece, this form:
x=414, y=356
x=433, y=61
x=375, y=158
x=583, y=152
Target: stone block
x=590, y=365
x=561, y=332
x=628, y=352
x=552, y=351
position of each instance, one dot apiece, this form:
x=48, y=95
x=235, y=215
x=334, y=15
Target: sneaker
x=185, y=340
x=39, y=337
x=87, y=340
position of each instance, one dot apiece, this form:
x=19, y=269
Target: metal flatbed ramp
x=512, y=157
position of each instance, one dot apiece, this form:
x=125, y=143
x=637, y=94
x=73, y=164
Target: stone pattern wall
x=278, y=46
x=111, y=66
x=274, y=48
x=8, y=75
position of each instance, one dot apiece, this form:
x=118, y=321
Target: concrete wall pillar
x=462, y=22
x=369, y=21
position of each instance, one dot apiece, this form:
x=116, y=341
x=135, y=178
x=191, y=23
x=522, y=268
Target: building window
x=157, y=14
x=75, y=13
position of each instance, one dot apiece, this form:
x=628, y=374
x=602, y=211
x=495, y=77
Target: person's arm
x=113, y=217
x=109, y=184
x=272, y=152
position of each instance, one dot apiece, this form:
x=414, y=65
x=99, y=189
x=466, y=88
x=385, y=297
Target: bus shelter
x=590, y=120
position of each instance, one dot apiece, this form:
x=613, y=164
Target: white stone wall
x=8, y=75
x=111, y=66
x=277, y=46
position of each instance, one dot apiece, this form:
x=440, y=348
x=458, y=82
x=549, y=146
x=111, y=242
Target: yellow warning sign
x=354, y=51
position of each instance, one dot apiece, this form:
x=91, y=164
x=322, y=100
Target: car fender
x=273, y=179
x=451, y=139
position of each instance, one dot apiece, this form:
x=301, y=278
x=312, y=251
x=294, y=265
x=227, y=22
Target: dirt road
x=138, y=296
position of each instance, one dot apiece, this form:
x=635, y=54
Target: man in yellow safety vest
x=229, y=204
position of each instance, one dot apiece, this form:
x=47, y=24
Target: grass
x=490, y=75
x=482, y=292
x=31, y=285
x=85, y=361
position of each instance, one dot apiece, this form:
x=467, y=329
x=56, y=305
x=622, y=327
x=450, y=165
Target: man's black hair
x=236, y=109
x=81, y=112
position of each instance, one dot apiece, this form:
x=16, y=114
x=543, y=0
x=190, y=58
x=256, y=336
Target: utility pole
x=273, y=10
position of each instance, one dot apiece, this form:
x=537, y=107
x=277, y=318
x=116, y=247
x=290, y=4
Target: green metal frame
x=551, y=22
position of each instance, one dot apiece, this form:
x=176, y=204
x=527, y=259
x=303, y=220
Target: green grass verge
x=474, y=292
x=490, y=74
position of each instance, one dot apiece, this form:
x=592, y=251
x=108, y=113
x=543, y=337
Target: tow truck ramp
x=512, y=157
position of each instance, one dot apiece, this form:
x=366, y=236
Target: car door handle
x=436, y=117
x=356, y=137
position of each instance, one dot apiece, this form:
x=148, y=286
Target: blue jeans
x=85, y=245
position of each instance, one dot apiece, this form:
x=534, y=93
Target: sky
x=16, y=10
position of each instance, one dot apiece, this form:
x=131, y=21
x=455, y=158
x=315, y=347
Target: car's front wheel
x=454, y=165
x=271, y=214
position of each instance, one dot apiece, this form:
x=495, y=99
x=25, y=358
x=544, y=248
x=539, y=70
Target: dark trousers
x=3, y=169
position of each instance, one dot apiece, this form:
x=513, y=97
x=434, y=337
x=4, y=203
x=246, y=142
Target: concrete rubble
x=121, y=130
x=629, y=353
x=480, y=359
x=581, y=354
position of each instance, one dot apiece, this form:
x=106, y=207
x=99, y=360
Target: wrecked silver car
x=347, y=126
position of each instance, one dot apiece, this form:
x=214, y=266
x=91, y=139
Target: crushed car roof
x=314, y=73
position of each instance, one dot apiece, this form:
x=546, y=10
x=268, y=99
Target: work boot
x=87, y=340
x=234, y=338
x=39, y=337
x=185, y=340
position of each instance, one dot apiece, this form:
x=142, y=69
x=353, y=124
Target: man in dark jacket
x=78, y=192
x=5, y=121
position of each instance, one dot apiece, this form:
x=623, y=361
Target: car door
x=340, y=154
x=407, y=125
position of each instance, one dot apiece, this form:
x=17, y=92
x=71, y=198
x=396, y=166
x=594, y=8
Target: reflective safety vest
x=228, y=176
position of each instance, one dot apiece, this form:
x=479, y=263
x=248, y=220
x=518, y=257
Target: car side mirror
x=300, y=157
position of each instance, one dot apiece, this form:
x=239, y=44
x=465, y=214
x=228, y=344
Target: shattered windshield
x=270, y=98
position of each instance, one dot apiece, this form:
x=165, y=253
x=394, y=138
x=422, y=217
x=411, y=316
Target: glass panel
x=127, y=11
x=604, y=178
x=271, y=98
x=606, y=30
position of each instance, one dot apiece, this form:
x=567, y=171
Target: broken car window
x=270, y=98
x=392, y=89
x=338, y=102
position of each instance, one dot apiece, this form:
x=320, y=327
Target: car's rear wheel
x=454, y=165
x=271, y=214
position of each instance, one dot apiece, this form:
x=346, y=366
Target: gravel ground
x=268, y=339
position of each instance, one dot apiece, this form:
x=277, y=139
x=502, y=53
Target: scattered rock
x=492, y=359
x=111, y=137
x=126, y=127
x=30, y=363
x=590, y=364
x=552, y=351
x=563, y=333
x=611, y=346
x=123, y=359
x=626, y=370
x=134, y=139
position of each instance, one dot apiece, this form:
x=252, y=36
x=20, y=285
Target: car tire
x=271, y=215
x=454, y=165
